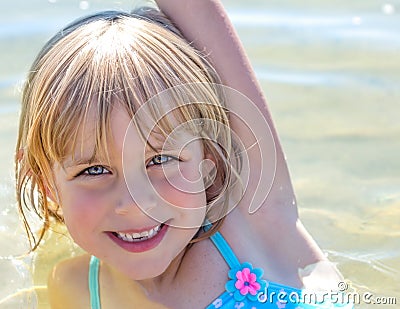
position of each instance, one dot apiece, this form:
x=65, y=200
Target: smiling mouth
x=138, y=237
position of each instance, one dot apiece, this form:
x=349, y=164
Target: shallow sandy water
x=331, y=76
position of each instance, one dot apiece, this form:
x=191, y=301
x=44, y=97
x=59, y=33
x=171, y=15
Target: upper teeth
x=131, y=237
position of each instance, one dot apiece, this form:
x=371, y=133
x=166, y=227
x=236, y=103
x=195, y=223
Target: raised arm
x=206, y=24
x=269, y=193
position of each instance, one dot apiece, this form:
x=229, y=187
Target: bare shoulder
x=68, y=284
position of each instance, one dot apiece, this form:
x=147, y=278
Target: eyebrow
x=79, y=161
x=161, y=143
x=158, y=148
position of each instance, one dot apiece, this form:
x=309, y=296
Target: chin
x=145, y=270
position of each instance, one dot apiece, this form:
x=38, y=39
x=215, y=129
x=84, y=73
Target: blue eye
x=159, y=160
x=96, y=170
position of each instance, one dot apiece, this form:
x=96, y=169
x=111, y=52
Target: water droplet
x=84, y=5
x=388, y=9
x=52, y=1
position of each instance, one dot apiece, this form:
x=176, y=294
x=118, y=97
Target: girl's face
x=140, y=208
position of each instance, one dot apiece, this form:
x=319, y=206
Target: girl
x=125, y=136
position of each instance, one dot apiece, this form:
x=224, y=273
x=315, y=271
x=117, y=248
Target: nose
x=137, y=198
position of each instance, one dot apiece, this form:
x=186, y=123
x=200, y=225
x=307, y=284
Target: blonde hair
x=95, y=62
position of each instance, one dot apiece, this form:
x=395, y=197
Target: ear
x=50, y=191
x=53, y=200
x=19, y=156
x=49, y=194
x=46, y=187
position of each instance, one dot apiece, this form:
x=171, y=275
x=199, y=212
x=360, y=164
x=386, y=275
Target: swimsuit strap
x=223, y=248
x=94, y=282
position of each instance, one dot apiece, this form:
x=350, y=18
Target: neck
x=154, y=287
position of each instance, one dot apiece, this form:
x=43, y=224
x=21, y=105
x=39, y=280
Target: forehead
x=97, y=140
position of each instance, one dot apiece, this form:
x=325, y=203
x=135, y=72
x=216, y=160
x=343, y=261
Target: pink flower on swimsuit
x=247, y=282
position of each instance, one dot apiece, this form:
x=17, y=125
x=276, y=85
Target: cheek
x=81, y=210
x=180, y=182
x=180, y=192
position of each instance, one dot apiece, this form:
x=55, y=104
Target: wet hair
x=99, y=61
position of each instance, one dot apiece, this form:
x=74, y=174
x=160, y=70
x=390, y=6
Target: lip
x=131, y=231
x=141, y=246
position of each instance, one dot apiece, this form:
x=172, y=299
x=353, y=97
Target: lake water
x=331, y=74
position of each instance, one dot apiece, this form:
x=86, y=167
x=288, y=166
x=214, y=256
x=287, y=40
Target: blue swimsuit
x=245, y=288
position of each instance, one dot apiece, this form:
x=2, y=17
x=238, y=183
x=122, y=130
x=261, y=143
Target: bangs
x=194, y=108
